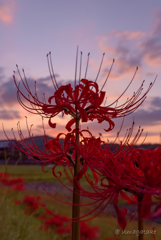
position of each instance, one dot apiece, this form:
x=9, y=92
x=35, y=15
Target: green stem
x=76, y=195
x=5, y=157
x=140, y=219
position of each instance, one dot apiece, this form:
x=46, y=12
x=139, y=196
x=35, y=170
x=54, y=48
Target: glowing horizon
x=28, y=34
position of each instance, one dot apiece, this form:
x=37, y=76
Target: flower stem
x=76, y=196
x=140, y=219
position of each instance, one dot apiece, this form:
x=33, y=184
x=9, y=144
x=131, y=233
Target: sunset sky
x=128, y=31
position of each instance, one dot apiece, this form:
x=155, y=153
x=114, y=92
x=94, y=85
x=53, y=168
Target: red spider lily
x=95, y=155
x=42, y=217
x=19, y=187
x=92, y=149
x=144, y=169
x=136, y=171
x=64, y=230
x=32, y=203
x=133, y=170
x=54, y=222
x=140, y=169
x=17, y=201
x=4, y=178
x=144, y=166
x=84, y=101
x=15, y=183
x=105, y=164
x=88, y=232
x=53, y=151
x=58, y=223
x=4, y=175
x=59, y=155
x=112, y=171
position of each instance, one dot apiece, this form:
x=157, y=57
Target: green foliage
x=15, y=225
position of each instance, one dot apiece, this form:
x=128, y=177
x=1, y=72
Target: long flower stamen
x=76, y=62
x=52, y=75
x=100, y=67
x=80, y=69
x=108, y=74
x=87, y=66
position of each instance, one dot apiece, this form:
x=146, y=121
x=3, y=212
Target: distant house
x=9, y=152
x=12, y=155
x=6, y=146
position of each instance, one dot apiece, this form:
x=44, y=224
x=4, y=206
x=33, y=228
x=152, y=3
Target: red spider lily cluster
x=127, y=169
x=113, y=173
x=17, y=184
x=58, y=224
x=88, y=232
x=30, y=203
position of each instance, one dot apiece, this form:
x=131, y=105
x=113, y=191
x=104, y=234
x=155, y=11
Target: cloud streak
x=133, y=48
x=7, y=11
x=9, y=114
x=8, y=90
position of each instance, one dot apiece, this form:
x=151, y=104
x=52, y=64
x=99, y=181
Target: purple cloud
x=157, y=23
x=149, y=118
x=8, y=96
x=8, y=93
x=134, y=48
x=9, y=114
x=46, y=79
x=151, y=49
x=156, y=102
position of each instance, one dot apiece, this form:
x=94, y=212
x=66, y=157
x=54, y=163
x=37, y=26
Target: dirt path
x=57, y=188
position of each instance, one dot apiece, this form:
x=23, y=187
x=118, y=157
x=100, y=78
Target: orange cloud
x=156, y=26
x=151, y=51
x=128, y=35
x=104, y=47
x=122, y=68
x=122, y=65
x=7, y=11
x=153, y=62
x=134, y=48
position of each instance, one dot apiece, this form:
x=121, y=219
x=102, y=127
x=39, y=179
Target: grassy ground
x=30, y=172
x=15, y=225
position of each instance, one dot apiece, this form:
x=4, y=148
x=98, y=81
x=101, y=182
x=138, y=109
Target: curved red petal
x=52, y=125
x=69, y=124
x=83, y=113
x=81, y=172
